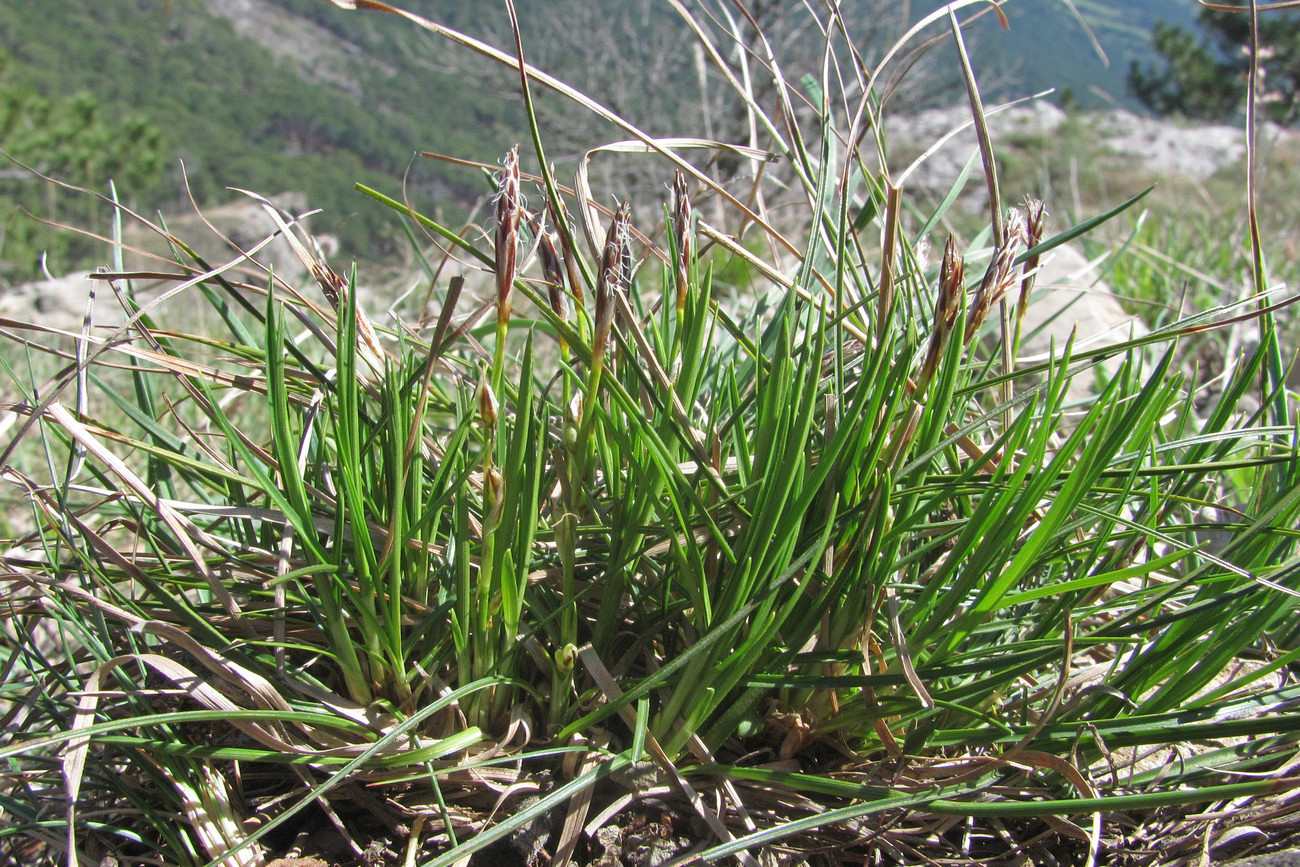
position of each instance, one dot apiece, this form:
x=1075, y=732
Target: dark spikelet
x=681, y=208
x=560, y=217
x=509, y=206
x=487, y=403
x=1000, y=276
x=1037, y=215
x=615, y=271
x=335, y=287
x=952, y=279
x=331, y=283
x=553, y=271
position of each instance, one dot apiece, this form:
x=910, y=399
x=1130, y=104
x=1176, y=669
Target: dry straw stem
x=542, y=77
x=1248, y=7
x=115, y=339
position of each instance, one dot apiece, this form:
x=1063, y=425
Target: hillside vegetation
x=725, y=520
x=92, y=90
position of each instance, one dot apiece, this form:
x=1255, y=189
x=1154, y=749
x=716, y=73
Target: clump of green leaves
x=843, y=553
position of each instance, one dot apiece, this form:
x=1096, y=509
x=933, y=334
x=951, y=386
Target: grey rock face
x=1162, y=148
x=60, y=303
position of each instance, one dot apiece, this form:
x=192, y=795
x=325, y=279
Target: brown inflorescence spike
x=681, y=207
x=952, y=290
x=553, y=271
x=1037, y=215
x=615, y=271
x=509, y=206
x=560, y=217
x=1000, y=276
x=952, y=286
x=487, y=403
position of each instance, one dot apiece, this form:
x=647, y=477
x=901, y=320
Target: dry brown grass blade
x=576, y=817
x=78, y=748
x=185, y=531
x=901, y=651
x=743, y=88
x=1261, y=7
x=943, y=140
x=1083, y=25
x=868, y=117
x=889, y=257
x=116, y=338
x=588, y=211
x=44, y=585
x=258, y=687
x=181, y=367
x=1035, y=759
x=283, y=228
x=264, y=695
x=1253, y=97
x=208, y=804
x=334, y=287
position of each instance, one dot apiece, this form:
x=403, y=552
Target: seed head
x=487, y=403
x=681, y=206
x=509, y=206
x=554, y=273
x=1036, y=218
x=560, y=217
x=1000, y=276
x=615, y=273
x=553, y=270
x=952, y=288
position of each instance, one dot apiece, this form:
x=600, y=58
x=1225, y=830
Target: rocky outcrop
x=62, y=303
x=1161, y=148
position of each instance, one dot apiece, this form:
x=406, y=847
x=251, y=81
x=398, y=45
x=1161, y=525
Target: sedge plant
x=829, y=556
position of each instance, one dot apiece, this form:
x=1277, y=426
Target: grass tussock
x=603, y=568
